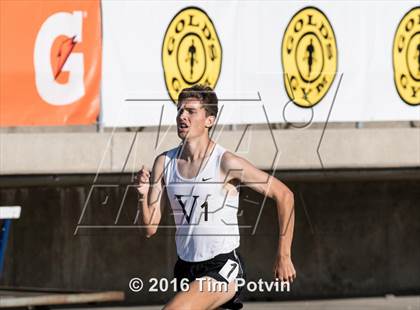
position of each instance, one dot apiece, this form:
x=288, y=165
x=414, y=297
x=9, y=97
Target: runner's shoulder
x=231, y=161
x=159, y=163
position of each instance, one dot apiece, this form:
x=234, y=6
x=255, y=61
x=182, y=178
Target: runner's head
x=197, y=111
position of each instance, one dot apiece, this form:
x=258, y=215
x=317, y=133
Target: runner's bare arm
x=235, y=167
x=152, y=195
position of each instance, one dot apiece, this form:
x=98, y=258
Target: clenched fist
x=143, y=181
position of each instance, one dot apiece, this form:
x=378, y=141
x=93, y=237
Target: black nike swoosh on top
x=205, y=179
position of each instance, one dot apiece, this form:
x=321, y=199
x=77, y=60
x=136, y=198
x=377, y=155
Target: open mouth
x=182, y=126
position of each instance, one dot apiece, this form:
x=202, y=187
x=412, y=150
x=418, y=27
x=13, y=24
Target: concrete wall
x=114, y=152
x=356, y=234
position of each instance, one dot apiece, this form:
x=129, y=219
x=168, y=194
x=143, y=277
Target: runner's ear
x=210, y=121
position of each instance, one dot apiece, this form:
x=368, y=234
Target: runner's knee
x=178, y=305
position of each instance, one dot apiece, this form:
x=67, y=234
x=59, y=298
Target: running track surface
x=384, y=303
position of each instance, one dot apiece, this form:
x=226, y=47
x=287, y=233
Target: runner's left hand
x=284, y=269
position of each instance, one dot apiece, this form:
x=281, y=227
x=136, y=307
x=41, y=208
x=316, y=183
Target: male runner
x=199, y=178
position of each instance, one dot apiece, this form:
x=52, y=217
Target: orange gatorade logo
x=406, y=57
x=191, y=51
x=51, y=62
x=309, y=57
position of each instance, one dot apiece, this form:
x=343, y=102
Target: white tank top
x=205, y=216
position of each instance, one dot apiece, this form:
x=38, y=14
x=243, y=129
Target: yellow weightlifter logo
x=406, y=57
x=191, y=51
x=309, y=56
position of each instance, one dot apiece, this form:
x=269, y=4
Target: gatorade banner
x=277, y=61
x=50, y=63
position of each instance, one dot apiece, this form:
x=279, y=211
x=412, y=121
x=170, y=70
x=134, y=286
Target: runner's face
x=191, y=119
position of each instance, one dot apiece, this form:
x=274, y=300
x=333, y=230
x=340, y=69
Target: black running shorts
x=222, y=267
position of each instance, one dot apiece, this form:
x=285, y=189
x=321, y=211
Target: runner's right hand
x=143, y=181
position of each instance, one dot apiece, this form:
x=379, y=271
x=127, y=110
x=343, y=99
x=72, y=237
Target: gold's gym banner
x=284, y=61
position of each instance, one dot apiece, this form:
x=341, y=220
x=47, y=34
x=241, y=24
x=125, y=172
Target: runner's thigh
x=208, y=295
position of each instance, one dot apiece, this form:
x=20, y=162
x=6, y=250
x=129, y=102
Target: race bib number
x=230, y=270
